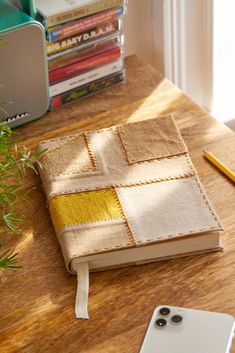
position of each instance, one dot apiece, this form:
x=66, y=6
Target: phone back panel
x=198, y=332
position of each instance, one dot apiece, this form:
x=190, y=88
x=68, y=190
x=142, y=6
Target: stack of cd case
x=85, y=53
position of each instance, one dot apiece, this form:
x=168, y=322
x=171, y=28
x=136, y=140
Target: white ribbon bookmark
x=81, y=302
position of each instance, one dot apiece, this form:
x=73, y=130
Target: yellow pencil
x=220, y=165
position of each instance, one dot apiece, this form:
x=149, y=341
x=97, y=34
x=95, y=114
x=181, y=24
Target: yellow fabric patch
x=90, y=206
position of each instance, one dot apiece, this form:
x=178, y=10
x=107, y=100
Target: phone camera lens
x=161, y=322
x=176, y=318
x=164, y=311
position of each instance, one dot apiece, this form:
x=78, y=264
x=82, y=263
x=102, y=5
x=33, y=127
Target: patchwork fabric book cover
x=127, y=187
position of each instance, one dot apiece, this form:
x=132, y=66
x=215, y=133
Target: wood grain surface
x=37, y=301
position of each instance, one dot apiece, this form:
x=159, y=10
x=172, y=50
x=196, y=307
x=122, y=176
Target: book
x=76, y=54
x=69, y=29
x=54, y=12
x=105, y=29
x=85, y=65
x=88, y=90
x=94, y=33
x=85, y=78
x=125, y=195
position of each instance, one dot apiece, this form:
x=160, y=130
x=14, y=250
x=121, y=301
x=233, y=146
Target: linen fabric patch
x=167, y=209
x=91, y=206
x=150, y=139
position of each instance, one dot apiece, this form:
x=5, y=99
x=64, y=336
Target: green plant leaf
x=12, y=221
x=9, y=261
x=7, y=198
x=15, y=160
x=27, y=192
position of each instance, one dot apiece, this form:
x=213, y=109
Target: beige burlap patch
x=151, y=139
x=67, y=156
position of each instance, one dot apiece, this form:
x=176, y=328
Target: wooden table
x=37, y=302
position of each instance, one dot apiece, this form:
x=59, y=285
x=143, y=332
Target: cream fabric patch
x=150, y=139
x=90, y=238
x=167, y=209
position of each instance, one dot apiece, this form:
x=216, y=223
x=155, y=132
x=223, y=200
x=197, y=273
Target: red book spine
x=84, y=65
x=56, y=102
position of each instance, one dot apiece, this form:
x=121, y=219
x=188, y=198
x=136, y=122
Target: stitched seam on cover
x=98, y=131
x=157, y=159
x=178, y=133
x=124, y=147
x=151, y=181
x=190, y=164
x=43, y=142
x=207, y=203
x=90, y=151
x=168, y=156
x=128, y=245
x=68, y=141
x=135, y=183
x=177, y=234
x=204, y=196
x=127, y=217
x=55, y=139
x=84, y=225
x=93, y=173
x=88, y=172
x=83, y=173
x=121, y=146
x=130, y=234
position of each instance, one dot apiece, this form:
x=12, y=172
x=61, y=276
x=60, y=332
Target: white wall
x=188, y=26
x=224, y=59
x=143, y=27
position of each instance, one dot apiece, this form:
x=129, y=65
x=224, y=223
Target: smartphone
x=180, y=330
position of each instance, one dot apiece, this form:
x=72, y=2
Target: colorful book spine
x=70, y=29
x=80, y=54
x=85, y=78
x=86, y=90
x=83, y=37
x=83, y=11
x=84, y=65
